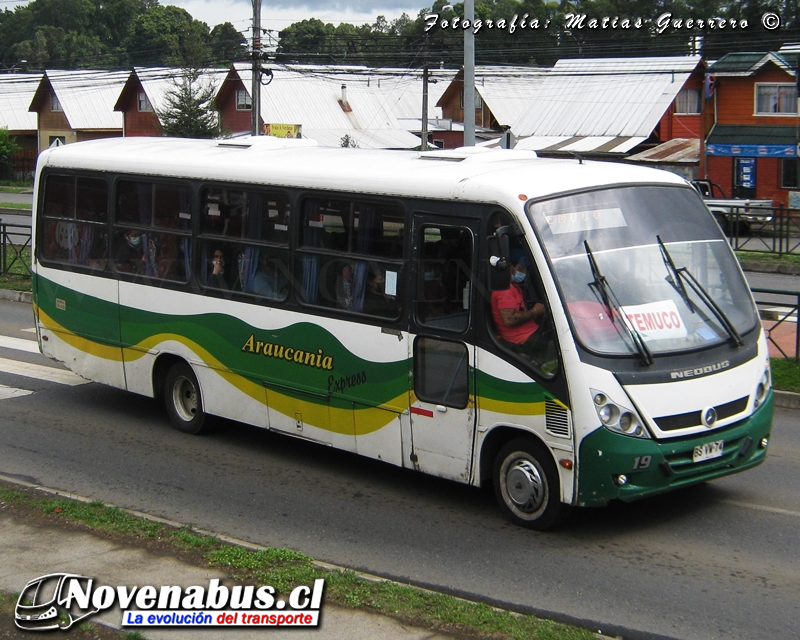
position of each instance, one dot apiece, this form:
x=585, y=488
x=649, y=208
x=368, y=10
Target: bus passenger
x=129, y=256
x=344, y=287
x=518, y=326
x=268, y=281
x=376, y=302
x=217, y=276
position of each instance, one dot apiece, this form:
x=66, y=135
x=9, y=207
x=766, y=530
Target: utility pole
x=469, y=75
x=424, y=133
x=255, y=98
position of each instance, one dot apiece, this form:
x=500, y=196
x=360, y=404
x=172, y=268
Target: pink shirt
x=511, y=298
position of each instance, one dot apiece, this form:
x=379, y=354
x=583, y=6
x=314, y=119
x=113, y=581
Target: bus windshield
x=643, y=270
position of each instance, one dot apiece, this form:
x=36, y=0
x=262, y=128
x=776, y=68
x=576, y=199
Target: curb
x=786, y=399
x=783, y=399
x=588, y=625
x=16, y=296
x=770, y=267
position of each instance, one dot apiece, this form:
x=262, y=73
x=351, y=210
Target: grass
x=15, y=205
x=285, y=569
x=14, y=186
x=786, y=374
x=18, y=278
x=768, y=257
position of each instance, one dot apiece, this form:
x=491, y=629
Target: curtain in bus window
x=80, y=251
x=366, y=226
x=186, y=225
x=311, y=238
x=255, y=210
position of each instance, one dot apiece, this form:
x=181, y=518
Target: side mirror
x=498, y=251
x=499, y=274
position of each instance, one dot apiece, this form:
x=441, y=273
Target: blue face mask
x=519, y=277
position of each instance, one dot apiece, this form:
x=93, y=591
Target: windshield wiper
x=605, y=291
x=673, y=276
x=679, y=275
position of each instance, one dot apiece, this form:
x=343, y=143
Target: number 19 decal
x=642, y=462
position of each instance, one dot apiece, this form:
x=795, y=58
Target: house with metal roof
x=330, y=106
x=502, y=94
x=751, y=148
x=146, y=92
x=16, y=93
x=72, y=106
x=611, y=106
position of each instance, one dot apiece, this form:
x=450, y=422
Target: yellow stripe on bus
x=107, y=352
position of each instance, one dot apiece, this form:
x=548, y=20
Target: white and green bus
x=344, y=296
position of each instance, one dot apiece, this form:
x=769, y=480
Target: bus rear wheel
x=184, y=401
x=526, y=485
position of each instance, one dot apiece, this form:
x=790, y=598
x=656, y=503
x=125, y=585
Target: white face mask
x=135, y=241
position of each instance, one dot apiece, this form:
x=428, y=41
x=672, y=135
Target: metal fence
x=779, y=314
x=14, y=240
x=778, y=307
x=765, y=229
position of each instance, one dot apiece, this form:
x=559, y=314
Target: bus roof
x=470, y=174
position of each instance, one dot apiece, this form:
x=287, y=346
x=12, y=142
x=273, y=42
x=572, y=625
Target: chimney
x=343, y=101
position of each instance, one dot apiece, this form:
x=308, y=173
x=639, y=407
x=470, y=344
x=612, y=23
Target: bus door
x=442, y=349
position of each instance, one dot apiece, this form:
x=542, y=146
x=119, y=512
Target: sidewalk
x=33, y=550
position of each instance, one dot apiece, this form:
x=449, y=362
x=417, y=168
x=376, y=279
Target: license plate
x=708, y=451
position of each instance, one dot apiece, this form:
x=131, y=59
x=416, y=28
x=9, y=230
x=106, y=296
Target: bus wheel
x=526, y=485
x=183, y=400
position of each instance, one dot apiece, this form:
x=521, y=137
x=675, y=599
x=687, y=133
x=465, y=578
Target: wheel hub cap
x=525, y=485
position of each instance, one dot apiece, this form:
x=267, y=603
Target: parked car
x=746, y=212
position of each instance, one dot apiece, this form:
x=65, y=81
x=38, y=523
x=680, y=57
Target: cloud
x=375, y=7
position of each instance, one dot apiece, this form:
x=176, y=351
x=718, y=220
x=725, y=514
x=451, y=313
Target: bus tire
x=527, y=486
x=184, y=401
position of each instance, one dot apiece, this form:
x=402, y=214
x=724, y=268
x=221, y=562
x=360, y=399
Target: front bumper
x=604, y=456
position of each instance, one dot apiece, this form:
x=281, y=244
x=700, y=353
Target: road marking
x=39, y=372
x=31, y=346
x=761, y=507
x=31, y=330
x=12, y=392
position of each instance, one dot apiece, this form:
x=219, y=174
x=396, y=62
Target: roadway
x=717, y=561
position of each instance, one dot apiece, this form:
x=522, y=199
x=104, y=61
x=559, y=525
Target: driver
x=517, y=325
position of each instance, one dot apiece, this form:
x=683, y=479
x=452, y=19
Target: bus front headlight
x=763, y=386
x=618, y=418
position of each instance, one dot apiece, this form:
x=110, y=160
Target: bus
x=347, y=297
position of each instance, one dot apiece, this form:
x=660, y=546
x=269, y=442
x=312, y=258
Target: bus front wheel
x=526, y=485
x=184, y=401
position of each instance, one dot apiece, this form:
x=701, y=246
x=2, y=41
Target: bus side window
x=444, y=277
x=519, y=315
x=441, y=372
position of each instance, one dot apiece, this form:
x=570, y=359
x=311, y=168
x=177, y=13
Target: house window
x=243, y=100
x=55, y=105
x=143, y=102
x=687, y=102
x=776, y=99
x=478, y=100
x=790, y=173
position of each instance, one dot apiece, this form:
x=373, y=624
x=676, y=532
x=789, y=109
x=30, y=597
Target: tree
x=307, y=38
x=227, y=44
x=188, y=113
x=8, y=148
x=168, y=36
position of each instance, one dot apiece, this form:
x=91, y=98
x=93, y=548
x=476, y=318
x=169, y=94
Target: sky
x=279, y=14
